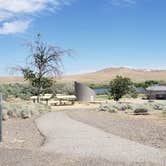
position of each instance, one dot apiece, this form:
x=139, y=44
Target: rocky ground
x=21, y=147
x=143, y=129
x=22, y=142
x=21, y=133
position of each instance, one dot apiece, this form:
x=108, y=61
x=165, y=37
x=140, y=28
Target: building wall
x=84, y=93
x=156, y=95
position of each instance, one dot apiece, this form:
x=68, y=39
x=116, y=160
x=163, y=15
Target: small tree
x=44, y=62
x=120, y=86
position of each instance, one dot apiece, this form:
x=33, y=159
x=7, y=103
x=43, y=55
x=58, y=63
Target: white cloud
x=14, y=27
x=12, y=12
x=123, y=2
x=26, y=6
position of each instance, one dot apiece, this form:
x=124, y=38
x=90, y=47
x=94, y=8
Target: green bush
x=120, y=86
x=110, y=97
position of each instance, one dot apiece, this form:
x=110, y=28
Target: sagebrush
x=25, y=91
x=23, y=110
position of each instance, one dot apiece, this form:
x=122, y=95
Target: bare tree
x=43, y=63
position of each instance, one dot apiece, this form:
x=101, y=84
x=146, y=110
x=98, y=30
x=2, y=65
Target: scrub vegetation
x=136, y=109
x=25, y=91
x=23, y=110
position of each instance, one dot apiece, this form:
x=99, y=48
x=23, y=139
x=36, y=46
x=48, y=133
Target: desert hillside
x=5, y=80
x=104, y=75
x=108, y=74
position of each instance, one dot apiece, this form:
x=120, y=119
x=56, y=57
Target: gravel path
x=67, y=136
x=21, y=147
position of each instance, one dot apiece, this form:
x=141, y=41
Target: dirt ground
x=21, y=147
x=21, y=133
x=148, y=130
x=22, y=140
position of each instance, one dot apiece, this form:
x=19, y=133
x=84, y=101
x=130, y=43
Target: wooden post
x=47, y=102
x=0, y=117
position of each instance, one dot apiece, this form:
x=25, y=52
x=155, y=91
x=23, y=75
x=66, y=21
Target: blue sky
x=103, y=33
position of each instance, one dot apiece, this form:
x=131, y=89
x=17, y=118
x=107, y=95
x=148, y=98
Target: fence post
x=0, y=117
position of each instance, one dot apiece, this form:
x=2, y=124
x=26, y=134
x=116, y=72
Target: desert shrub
x=110, y=97
x=122, y=106
x=154, y=106
x=136, y=108
x=62, y=88
x=158, y=106
x=23, y=91
x=107, y=107
x=114, y=107
x=23, y=110
x=150, y=106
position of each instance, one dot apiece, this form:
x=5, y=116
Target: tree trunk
x=38, y=94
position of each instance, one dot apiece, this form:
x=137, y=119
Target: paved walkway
x=67, y=136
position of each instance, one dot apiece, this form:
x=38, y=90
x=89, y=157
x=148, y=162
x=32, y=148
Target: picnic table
x=45, y=97
x=62, y=97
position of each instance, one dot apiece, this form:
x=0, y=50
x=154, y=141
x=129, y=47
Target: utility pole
x=0, y=117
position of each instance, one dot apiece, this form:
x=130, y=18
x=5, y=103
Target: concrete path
x=67, y=136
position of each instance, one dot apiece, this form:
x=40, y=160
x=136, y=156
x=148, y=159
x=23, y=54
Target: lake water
x=101, y=91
